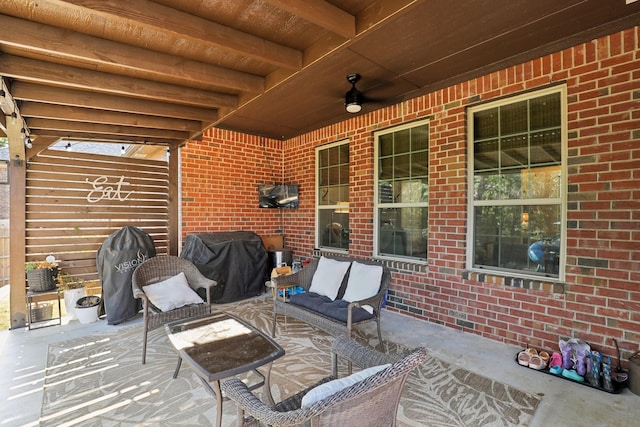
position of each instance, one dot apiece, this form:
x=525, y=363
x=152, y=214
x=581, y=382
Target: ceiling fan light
x=353, y=100
x=354, y=108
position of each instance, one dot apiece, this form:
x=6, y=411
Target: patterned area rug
x=100, y=381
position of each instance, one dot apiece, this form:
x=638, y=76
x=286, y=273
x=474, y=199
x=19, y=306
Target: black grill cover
x=118, y=256
x=237, y=260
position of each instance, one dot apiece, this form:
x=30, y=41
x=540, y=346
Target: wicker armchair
x=160, y=268
x=371, y=402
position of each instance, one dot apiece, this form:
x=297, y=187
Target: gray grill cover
x=237, y=260
x=118, y=256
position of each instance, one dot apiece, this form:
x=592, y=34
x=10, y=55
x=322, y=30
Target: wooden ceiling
x=163, y=71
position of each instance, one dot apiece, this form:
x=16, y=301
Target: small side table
x=282, y=287
x=31, y=295
x=275, y=290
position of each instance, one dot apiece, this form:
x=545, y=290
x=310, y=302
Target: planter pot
x=70, y=298
x=87, y=309
x=42, y=279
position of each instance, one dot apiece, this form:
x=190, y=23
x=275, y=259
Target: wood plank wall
x=74, y=201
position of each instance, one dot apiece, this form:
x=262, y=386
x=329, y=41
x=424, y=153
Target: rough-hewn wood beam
x=65, y=112
x=61, y=96
x=120, y=58
x=72, y=77
x=40, y=125
x=321, y=13
x=144, y=22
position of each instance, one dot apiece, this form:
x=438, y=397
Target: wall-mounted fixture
x=353, y=98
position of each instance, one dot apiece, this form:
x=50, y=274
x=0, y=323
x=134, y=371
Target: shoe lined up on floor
x=531, y=358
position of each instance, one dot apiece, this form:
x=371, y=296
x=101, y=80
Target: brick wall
x=600, y=298
x=220, y=177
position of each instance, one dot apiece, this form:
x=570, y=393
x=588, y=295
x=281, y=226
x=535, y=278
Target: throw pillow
x=332, y=387
x=364, y=281
x=172, y=293
x=328, y=277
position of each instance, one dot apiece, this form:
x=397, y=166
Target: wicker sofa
x=334, y=316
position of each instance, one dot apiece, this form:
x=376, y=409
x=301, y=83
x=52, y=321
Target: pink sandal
x=524, y=358
x=537, y=363
x=556, y=359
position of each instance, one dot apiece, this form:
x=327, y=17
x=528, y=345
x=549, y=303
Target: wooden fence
x=4, y=252
x=74, y=202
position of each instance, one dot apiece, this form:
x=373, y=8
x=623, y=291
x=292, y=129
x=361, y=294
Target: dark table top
x=219, y=345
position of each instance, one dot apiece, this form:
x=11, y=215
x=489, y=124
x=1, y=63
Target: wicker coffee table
x=220, y=345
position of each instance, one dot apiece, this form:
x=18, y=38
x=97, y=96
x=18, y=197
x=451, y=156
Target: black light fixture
x=353, y=98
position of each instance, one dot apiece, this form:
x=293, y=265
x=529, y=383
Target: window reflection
x=403, y=192
x=523, y=237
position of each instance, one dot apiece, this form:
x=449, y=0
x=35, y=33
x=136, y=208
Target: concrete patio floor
x=23, y=357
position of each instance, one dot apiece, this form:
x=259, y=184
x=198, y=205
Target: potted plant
x=74, y=289
x=41, y=275
x=87, y=308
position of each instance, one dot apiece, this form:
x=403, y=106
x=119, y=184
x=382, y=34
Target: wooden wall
x=74, y=201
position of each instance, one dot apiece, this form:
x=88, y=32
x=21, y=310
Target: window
x=332, y=217
x=516, y=152
x=402, y=191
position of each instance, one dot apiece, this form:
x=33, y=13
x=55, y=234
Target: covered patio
x=562, y=403
x=473, y=132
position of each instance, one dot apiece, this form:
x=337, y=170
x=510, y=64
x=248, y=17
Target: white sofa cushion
x=364, y=281
x=328, y=277
x=172, y=293
x=327, y=389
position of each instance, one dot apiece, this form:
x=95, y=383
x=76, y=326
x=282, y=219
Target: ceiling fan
x=353, y=98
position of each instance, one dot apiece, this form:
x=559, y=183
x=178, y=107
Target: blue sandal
x=556, y=370
x=572, y=375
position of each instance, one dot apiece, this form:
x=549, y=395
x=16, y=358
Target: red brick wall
x=220, y=177
x=600, y=298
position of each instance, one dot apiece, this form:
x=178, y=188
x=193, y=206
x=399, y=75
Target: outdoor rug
x=100, y=381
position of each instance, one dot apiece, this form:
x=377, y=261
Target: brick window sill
x=516, y=282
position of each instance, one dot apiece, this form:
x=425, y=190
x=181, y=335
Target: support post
x=17, y=220
x=174, y=200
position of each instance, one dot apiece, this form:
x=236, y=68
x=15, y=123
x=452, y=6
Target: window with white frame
x=402, y=191
x=332, y=218
x=517, y=184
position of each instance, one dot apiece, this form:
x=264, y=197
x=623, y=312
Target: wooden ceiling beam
x=61, y=96
x=65, y=112
x=102, y=137
x=144, y=23
x=63, y=126
x=120, y=58
x=72, y=77
x=320, y=13
x=40, y=144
